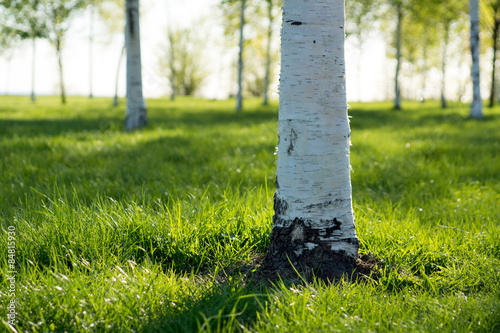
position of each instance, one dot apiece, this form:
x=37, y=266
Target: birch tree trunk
x=443, y=67
x=136, y=116
x=91, y=45
x=268, y=52
x=58, y=43
x=313, y=223
x=397, y=89
x=496, y=27
x=239, y=96
x=115, y=99
x=172, y=64
x=33, y=61
x=476, y=110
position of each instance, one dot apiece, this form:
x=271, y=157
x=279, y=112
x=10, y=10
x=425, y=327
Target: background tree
x=58, y=14
x=112, y=12
x=272, y=15
x=181, y=60
x=28, y=22
x=477, y=105
x=360, y=20
x=136, y=115
x=233, y=14
x=490, y=19
x=398, y=8
x=313, y=223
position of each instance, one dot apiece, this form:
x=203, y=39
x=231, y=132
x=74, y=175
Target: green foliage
x=182, y=59
x=258, y=21
x=154, y=230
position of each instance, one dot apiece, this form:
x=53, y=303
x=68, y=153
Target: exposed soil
x=363, y=268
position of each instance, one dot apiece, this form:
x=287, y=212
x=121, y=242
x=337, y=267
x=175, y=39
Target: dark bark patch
x=280, y=205
x=336, y=226
x=292, y=22
x=293, y=137
x=131, y=20
x=287, y=250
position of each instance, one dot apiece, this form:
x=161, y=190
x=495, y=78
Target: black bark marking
x=131, y=20
x=336, y=226
x=323, y=204
x=280, y=205
x=293, y=137
x=277, y=183
x=296, y=23
x=285, y=248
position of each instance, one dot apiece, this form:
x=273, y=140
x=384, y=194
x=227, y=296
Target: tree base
x=363, y=268
x=302, y=248
x=136, y=120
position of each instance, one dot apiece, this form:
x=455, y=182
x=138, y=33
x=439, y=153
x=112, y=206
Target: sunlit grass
x=154, y=229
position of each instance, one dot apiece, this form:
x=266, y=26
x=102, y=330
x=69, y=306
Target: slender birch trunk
x=115, y=100
x=397, y=89
x=424, y=73
x=136, y=115
x=476, y=110
x=33, y=62
x=493, y=91
x=91, y=44
x=172, y=64
x=58, y=43
x=239, y=96
x=443, y=68
x=268, y=52
x=313, y=223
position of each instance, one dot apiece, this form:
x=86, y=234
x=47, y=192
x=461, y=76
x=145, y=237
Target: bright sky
x=15, y=75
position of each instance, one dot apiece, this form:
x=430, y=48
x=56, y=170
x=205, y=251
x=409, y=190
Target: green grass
x=154, y=230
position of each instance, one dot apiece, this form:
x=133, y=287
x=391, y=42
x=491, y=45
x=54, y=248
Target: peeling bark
x=313, y=223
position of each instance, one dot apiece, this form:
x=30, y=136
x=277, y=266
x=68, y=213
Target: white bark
x=443, y=69
x=476, y=110
x=268, y=52
x=115, y=99
x=91, y=44
x=313, y=173
x=397, y=89
x=239, y=96
x=136, y=110
x=33, y=59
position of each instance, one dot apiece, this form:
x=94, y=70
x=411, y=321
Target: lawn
x=157, y=230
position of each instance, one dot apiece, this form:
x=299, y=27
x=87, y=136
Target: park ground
x=160, y=229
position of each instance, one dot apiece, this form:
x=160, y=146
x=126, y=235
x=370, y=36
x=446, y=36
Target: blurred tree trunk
x=239, y=96
x=115, y=100
x=58, y=43
x=476, y=110
x=496, y=27
x=268, y=52
x=33, y=62
x=136, y=115
x=397, y=89
x=443, y=66
x=172, y=63
x=313, y=223
x=91, y=45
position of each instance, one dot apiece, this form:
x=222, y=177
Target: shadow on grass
x=170, y=118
